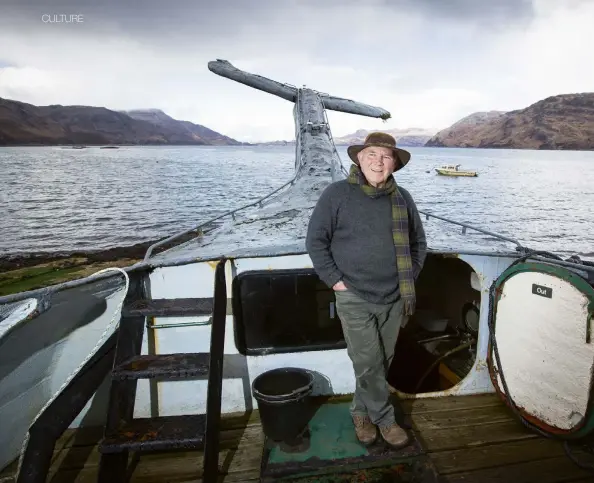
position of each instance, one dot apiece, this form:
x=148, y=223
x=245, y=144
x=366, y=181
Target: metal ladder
x=124, y=433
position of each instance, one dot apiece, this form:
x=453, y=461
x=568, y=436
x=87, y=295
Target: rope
x=69, y=379
x=510, y=401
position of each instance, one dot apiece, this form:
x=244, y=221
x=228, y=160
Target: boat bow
x=278, y=224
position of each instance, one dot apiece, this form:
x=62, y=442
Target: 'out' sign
x=542, y=291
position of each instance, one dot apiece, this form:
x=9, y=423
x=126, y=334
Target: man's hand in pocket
x=339, y=286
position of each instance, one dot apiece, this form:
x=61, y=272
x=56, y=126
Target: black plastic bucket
x=283, y=397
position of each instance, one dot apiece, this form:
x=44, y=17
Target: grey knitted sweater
x=349, y=238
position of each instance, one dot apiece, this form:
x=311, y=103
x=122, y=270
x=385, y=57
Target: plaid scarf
x=399, y=232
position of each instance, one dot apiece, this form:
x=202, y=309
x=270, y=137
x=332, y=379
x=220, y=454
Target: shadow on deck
x=471, y=439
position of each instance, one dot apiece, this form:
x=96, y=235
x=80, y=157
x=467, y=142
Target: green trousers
x=370, y=331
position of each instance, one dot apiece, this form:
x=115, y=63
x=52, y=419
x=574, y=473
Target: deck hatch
x=541, y=315
x=288, y=310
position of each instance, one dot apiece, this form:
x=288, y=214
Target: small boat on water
x=176, y=351
x=454, y=170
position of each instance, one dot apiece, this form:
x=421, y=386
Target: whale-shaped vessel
x=177, y=340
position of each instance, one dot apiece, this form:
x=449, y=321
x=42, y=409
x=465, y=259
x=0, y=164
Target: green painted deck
x=472, y=439
x=332, y=447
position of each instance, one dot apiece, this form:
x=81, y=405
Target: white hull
x=37, y=356
x=333, y=367
x=34, y=380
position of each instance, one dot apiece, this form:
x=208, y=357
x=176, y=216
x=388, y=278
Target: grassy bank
x=19, y=273
x=51, y=273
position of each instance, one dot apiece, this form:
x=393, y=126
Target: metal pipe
x=180, y=324
x=441, y=358
x=439, y=337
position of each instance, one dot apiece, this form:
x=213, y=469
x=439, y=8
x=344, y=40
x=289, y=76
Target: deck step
x=157, y=434
x=169, y=307
x=164, y=366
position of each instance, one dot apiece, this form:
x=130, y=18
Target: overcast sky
x=429, y=62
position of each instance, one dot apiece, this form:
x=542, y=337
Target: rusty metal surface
x=165, y=366
x=419, y=470
x=170, y=307
x=157, y=434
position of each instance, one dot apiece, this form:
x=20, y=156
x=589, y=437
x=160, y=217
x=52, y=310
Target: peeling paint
x=481, y=365
x=548, y=367
x=21, y=312
x=451, y=255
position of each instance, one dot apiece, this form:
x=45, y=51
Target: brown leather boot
x=394, y=435
x=365, y=430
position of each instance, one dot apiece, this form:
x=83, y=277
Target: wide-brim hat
x=384, y=140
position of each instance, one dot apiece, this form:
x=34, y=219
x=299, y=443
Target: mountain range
x=404, y=137
x=26, y=124
x=565, y=121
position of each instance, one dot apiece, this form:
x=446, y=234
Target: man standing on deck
x=366, y=241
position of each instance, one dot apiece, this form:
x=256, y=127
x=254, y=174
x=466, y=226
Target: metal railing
x=216, y=218
x=480, y=230
x=46, y=291
x=427, y=214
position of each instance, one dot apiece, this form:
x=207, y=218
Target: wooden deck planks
x=241, y=450
x=449, y=403
x=470, y=439
x=550, y=470
x=470, y=436
x=483, y=457
x=460, y=419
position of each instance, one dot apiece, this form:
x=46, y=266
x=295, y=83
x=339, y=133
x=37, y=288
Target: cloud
x=151, y=14
x=493, y=13
x=18, y=82
x=429, y=62
x=549, y=58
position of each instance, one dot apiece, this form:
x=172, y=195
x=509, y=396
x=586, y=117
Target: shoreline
x=115, y=146
x=22, y=272
x=136, y=251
